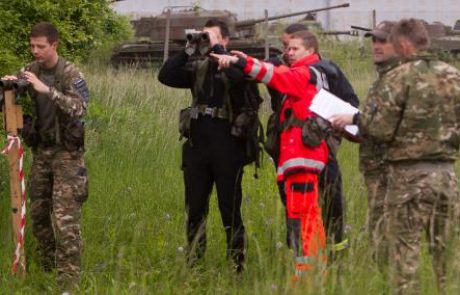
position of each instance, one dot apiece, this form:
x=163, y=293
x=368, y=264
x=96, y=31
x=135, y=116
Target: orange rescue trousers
x=304, y=222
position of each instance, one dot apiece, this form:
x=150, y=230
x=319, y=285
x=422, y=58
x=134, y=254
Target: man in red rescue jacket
x=301, y=158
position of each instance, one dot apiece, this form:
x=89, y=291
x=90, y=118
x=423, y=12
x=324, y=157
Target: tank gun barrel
x=251, y=22
x=335, y=33
x=361, y=28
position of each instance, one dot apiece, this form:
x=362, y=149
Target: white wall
x=359, y=12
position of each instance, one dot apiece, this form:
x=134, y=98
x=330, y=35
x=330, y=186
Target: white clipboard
x=326, y=104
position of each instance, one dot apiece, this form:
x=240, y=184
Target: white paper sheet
x=326, y=104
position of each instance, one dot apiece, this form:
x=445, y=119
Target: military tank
x=444, y=38
x=164, y=35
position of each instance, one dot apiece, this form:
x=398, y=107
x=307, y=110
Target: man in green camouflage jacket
x=371, y=152
x=58, y=183
x=418, y=121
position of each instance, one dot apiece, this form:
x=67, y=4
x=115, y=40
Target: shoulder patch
x=82, y=88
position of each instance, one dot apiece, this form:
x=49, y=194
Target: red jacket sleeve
x=290, y=81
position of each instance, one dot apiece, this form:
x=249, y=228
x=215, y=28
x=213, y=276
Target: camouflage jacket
x=371, y=151
x=417, y=115
x=57, y=114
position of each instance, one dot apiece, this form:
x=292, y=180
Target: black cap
x=382, y=30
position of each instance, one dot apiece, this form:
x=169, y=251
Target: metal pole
x=374, y=18
x=267, y=53
x=168, y=26
x=328, y=16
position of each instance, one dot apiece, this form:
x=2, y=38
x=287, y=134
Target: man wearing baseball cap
x=371, y=152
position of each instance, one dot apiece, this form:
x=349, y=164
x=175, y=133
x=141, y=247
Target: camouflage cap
x=382, y=30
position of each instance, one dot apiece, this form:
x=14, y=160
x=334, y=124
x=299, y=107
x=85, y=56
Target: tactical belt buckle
x=210, y=111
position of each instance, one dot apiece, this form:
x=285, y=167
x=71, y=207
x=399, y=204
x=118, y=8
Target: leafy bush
x=85, y=27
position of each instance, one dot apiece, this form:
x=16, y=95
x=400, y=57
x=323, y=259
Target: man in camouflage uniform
x=58, y=183
x=371, y=152
x=418, y=120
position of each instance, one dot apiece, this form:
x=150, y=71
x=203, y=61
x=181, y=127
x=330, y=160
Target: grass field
x=133, y=221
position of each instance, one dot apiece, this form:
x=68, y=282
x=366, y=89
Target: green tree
x=85, y=27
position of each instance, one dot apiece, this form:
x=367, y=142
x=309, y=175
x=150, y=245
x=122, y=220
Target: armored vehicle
x=444, y=38
x=163, y=35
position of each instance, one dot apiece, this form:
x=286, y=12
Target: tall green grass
x=133, y=221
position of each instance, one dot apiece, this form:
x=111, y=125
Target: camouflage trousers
x=420, y=200
x=58, y=186
x=376, y=183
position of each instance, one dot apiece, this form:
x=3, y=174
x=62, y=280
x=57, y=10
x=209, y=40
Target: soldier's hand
x=9, y=77
x=38, y=85
x=213, y=38
x=339, y=121
x=224, y=60
x=239, y=53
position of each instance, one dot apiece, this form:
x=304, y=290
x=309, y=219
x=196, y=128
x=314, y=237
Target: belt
x=213, y=112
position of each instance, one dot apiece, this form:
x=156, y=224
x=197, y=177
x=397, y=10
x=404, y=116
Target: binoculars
x=198, y=43
x=17, y=85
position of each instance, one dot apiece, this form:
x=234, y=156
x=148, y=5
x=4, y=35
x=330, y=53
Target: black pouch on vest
x=312, y=133
x=185, y=119
x=245, y=125
x=73, y=135
x=29, y=131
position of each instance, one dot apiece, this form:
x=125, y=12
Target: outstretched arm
x=290, y=81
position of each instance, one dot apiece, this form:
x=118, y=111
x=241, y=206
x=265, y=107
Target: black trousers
x=213, y=156
x=332, y=201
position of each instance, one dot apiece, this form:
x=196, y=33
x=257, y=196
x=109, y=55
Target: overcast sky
x=359, y=12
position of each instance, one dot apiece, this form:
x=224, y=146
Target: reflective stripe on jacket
x=294, y=154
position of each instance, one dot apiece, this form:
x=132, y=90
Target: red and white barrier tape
x=17, y=253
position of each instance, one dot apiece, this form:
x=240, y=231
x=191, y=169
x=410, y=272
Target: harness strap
x=225, y=112
x=291, y=121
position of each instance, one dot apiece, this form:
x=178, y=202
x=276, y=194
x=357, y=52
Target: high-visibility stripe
x=255, y=69
x=269, y=74
x=305, y=260
x=261, y=71
x=300, y=162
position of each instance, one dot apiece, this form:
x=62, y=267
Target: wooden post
x=12, y=121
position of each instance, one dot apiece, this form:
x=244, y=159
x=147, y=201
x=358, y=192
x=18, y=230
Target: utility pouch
x=185, y=119
x=247, y=127
x=73, y=135
x=312, y=133
x=244, y=125
x=29, y=131
x=272, y=143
